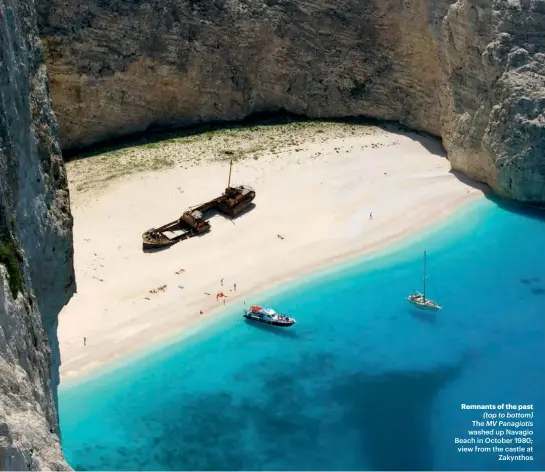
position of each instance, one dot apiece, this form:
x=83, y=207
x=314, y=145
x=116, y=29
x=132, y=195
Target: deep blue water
x=362, y=381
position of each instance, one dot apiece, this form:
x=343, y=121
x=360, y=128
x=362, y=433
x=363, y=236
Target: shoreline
x=323, y=269
x=310, y=244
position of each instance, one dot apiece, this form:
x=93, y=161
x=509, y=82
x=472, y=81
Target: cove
x=361, y=382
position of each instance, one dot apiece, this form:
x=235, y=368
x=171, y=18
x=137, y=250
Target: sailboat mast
x=425, y=273
x=230, y=169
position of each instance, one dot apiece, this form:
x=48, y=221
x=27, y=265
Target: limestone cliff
x=36, y=271
x=493, y=102
x=470, y=71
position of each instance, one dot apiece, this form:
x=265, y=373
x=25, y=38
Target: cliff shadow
x=474, y=184
x=524, y=209
x=154, y=135
x=432, y=144
x=527, y=210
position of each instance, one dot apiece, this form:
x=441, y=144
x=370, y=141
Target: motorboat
x=268, y=316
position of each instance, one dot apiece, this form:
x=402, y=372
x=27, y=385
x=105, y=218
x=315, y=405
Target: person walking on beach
x=235, y=287
x=221, y=282
x=371, y=215
x=85, y=341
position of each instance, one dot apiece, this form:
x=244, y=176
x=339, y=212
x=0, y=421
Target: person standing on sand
x=371, y=215
x=221, y=282
x=235, y=287
x=201, y=313
x=85, y=341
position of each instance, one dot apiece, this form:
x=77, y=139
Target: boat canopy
x=255, y=308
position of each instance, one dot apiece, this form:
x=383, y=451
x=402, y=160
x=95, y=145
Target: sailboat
x=419, y=299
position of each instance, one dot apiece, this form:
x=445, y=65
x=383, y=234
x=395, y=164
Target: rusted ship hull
x=151, y=244
x=193, y=222
x=236, y=200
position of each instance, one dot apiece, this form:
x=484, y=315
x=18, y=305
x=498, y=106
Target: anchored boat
x=419, y=299
x=268, y=316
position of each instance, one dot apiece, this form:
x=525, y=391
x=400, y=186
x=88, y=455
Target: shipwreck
x=193, y=222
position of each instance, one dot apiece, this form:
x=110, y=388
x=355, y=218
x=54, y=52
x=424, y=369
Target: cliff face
x=36, y=271
x=493, y=101
x=470, y=71
x=120, y=67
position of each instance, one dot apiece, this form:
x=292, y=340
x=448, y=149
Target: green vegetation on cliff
x=10, y=257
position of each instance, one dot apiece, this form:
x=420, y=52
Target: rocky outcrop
x=470, y=71
x=493, y=120
x=36, y=271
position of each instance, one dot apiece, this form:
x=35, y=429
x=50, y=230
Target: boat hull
x=236, y=210
x=235, y=201
x=146, y=244
x=280, y=324
x=423, y=306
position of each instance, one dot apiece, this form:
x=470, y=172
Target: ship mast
x=230, y=169
x=425, y=270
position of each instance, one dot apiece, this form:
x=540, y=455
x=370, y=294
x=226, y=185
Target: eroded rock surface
x=493, y=120
x=36, y=270
x=470, y=71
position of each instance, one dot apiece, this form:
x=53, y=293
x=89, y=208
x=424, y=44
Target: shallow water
x=361, y=382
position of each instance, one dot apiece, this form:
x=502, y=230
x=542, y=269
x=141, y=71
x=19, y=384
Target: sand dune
x=317, y=189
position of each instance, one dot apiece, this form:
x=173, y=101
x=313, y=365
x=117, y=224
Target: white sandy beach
x=316, y=188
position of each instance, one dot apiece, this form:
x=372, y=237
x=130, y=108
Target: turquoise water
x=361, y=382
